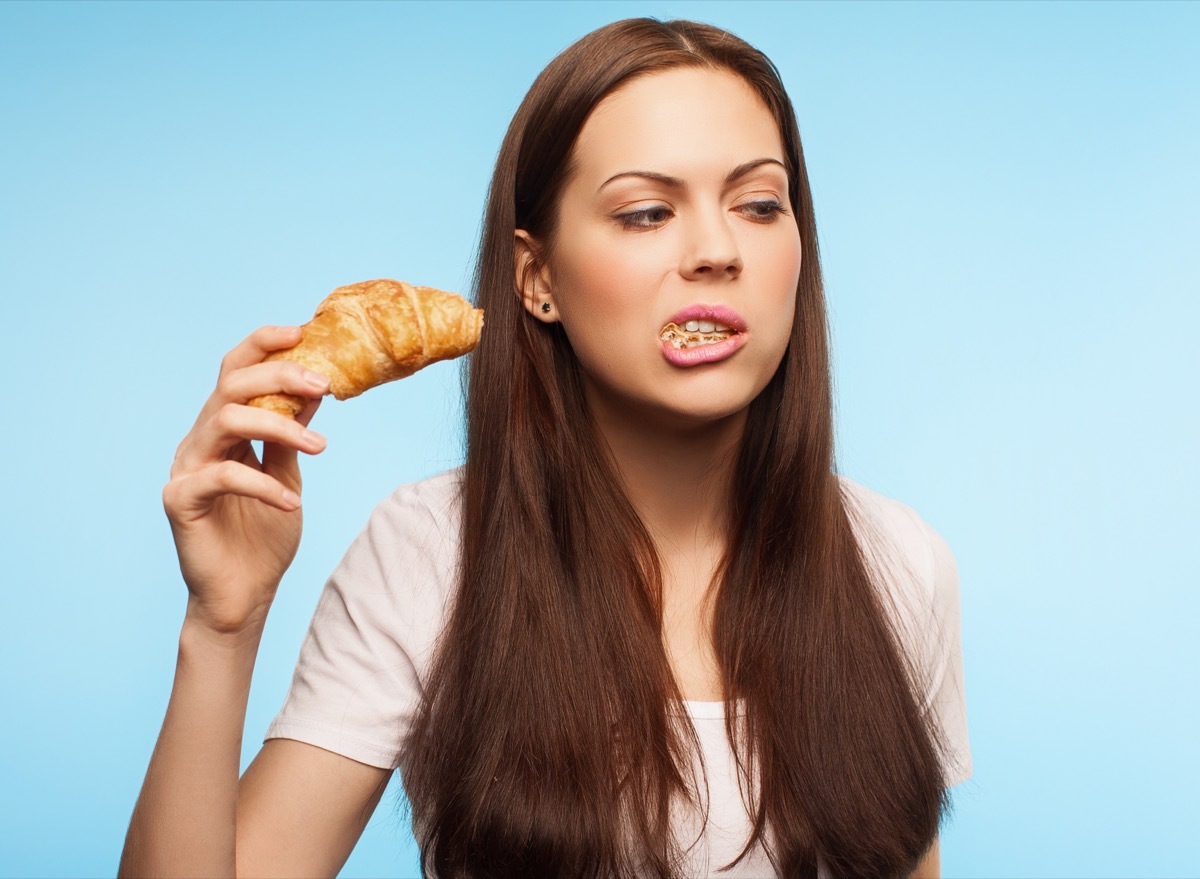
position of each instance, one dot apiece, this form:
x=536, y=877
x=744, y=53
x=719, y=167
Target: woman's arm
x=236, y=522
x=185, y=818
x=298, y=811
x=301, y=809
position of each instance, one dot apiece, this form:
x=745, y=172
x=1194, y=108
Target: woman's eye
x=764, y=210
x=645, y=218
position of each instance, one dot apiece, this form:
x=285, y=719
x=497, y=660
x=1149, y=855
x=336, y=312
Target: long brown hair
x=545, y=744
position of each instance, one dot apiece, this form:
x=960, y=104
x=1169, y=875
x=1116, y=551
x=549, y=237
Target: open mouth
x=694, y=333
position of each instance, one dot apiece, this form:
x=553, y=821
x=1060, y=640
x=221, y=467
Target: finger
x=192, y=496
x=234, y=424
x=306, y=414
x=258, y=345
x=280, y=460
x=271, y=377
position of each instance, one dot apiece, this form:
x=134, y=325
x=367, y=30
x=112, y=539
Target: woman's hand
x=236, y=520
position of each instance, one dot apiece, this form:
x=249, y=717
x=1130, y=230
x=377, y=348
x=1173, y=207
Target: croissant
x=365, y=334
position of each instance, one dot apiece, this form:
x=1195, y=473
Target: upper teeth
x=705, y=326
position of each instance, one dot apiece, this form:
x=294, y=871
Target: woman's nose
x=711, y=250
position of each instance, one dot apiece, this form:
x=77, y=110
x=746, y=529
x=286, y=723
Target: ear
x=533, y=278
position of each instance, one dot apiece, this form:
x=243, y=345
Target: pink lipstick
x=702, y=334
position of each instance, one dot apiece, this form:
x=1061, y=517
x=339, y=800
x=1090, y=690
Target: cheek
x=792, y=274
x=783, y=278
x=790, y=256
x=778, y=263
x=596, y=281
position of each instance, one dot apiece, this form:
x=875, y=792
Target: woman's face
x=674, y=266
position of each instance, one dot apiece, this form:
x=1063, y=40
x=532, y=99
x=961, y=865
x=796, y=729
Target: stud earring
x=545, y=308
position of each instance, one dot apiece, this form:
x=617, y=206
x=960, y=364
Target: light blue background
x=1007, y=199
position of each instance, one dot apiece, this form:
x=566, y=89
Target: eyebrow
x=675, y=183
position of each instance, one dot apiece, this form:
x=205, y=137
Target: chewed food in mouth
x=694, y=333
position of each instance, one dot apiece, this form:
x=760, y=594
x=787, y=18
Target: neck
x=678, y=476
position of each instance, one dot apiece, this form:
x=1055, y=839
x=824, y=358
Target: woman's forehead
x=680, y=122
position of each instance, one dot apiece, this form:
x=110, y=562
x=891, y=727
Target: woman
x=646, y=630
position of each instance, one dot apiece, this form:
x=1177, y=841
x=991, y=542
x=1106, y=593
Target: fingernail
x=312, y=438
x=315, y=379
x=290, y=497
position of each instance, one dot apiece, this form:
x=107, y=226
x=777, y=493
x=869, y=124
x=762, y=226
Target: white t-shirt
x=368, y=650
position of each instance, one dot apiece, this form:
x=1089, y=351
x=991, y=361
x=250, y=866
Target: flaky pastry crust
x=365, y=334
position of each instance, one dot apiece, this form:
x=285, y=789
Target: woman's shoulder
x=429, y=508
x=436, y=496
x=411, y=540
x=897, y=539
x=913, y=567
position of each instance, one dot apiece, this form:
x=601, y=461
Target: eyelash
x=640, y=219
x=766, y=212
x=773, y=209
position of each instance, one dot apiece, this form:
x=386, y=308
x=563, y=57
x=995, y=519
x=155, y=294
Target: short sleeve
x=359, y=677
x=946, y=696
x=919, y=578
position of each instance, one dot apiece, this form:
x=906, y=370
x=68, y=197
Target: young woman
x=645, y=630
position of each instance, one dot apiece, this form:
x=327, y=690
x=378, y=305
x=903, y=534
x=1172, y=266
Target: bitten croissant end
x=365, y=334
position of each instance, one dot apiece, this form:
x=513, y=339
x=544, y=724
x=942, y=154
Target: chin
x=712, y=413
x=702, y=401
x=715, y=401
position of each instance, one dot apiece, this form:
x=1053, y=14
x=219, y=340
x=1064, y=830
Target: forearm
x=184, y=822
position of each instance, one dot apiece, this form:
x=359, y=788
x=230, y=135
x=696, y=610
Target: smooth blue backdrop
x=1007, y=198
